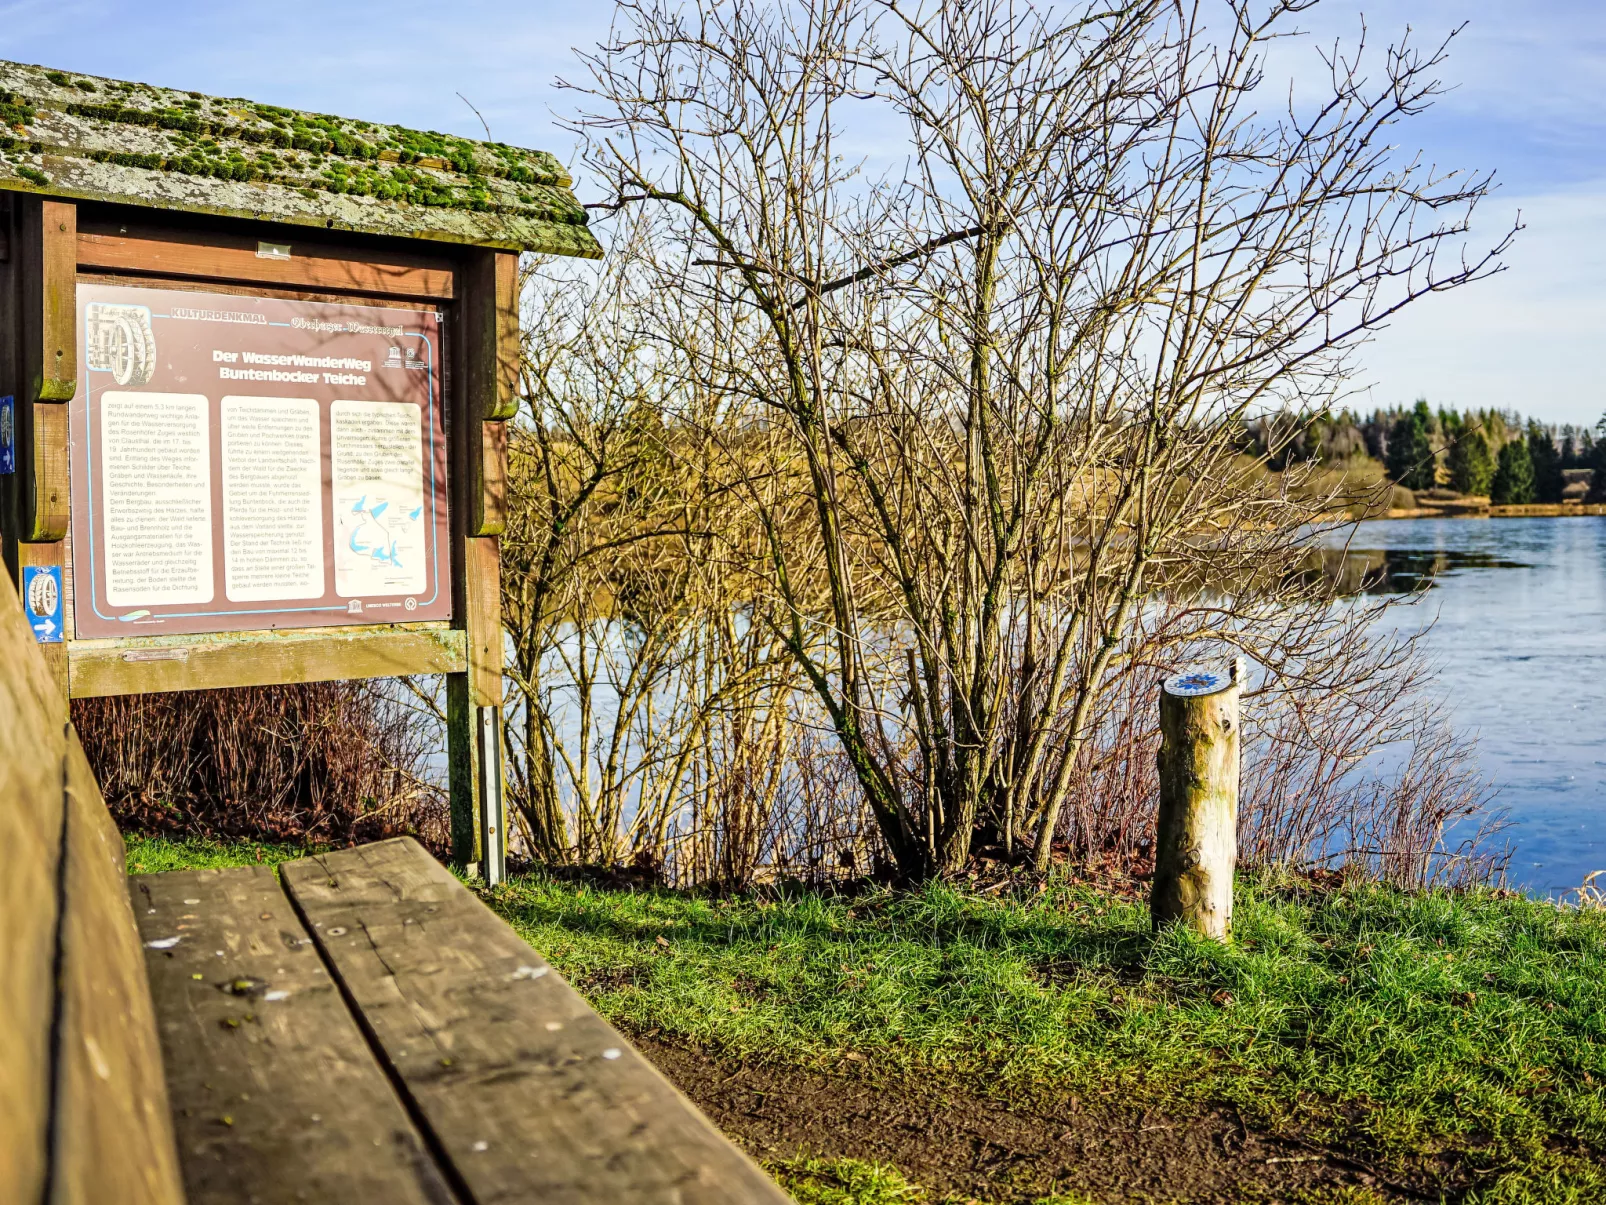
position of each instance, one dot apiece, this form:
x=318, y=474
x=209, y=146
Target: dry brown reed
x=1587, y=896
x=1355, y=774
x=1365, y=781
x=807, y=824
x=325, y=763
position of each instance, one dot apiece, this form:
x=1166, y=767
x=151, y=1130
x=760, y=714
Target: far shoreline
x=1527, y=510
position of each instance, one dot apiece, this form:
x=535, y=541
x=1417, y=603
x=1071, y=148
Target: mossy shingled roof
x=72, y=135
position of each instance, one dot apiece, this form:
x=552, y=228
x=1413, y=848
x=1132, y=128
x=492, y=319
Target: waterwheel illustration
x=119, y=340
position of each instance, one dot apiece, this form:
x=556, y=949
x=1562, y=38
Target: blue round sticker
x=1192, y=683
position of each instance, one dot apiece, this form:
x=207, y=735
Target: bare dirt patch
x=959, y=1144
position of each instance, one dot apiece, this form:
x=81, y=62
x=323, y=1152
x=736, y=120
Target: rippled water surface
x=1521, y=637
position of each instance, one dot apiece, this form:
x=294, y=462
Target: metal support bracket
x=492, y=818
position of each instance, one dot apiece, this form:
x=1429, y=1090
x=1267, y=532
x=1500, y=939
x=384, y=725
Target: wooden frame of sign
x=56, y=253
x=221, y=322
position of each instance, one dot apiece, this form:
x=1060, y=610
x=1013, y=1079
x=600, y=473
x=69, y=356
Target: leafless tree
x=1004, y=378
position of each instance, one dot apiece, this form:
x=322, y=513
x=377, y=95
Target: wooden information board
x=256, y=368
x=243, y=462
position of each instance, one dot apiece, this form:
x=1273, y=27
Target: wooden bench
x=357, y=1028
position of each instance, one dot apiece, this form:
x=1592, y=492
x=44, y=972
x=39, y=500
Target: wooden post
x=485, y=395
x=41, y=370
x=476, y=776
x=474, y=713
x=10, y=338
x=1196, y=847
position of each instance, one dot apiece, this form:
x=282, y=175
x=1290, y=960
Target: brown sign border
x=90, y=621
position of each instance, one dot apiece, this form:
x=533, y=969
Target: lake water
x=1521, y=639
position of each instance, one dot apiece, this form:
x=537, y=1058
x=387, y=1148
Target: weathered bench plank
x=114, y=1135
x=83, y=1118
x=275, y=1092
x=529, y=1093
x=32, y=741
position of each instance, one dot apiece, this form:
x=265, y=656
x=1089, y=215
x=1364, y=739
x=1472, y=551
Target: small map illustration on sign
x=119, y=340
x=379, y=533
x=377, y=462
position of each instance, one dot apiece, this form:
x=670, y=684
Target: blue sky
x=1529, y=80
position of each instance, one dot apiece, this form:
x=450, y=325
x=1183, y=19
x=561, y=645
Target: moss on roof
x=81, y=136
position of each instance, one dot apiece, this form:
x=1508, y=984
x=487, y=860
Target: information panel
x=243, y=463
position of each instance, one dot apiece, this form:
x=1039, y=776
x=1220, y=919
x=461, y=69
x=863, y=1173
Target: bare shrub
x=853, y=519
x=335, y=762
x=1346, y=759
x=824, y=829
x=1400, y=828
x=795, y=814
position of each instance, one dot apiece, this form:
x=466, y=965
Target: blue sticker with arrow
x=8, y=435
x=41, y=596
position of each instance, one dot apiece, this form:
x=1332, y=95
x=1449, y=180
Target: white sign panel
x=272, y=499
x=156, y=498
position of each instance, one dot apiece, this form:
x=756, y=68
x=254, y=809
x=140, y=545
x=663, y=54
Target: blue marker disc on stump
x=1192, y=683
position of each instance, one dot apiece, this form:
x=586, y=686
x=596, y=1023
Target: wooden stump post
x=1196, y=847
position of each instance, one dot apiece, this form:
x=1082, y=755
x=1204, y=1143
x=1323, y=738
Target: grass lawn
x=152, y=855
x=1455, y=1044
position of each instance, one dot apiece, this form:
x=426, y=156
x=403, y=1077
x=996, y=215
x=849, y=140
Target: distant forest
x=1492, y=453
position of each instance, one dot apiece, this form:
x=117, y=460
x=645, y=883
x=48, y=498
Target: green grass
x=1414, y=1029
x=854, y=1182
x=152, y=855
x=845, y=1182
x=1459, y=1040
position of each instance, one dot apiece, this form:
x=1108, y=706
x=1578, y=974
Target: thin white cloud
x=1527, y=339
x=27, y=25
x=1528, y=79
x=1522, y=78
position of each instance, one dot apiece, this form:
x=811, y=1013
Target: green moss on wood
x=15, y=110
x=324, y=135
x=308, y=156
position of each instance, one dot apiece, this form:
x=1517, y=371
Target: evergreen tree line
x=1482, y=452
